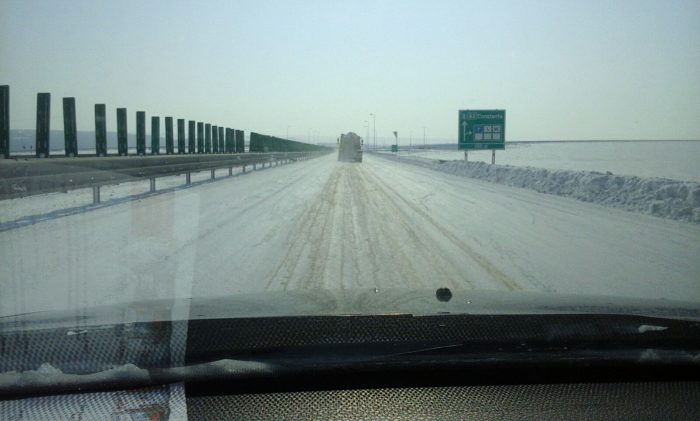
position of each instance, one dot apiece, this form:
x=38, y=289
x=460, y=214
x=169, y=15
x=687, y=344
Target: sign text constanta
x=482, y=129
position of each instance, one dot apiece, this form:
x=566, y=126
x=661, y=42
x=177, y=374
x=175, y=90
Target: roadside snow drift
x=679, y=200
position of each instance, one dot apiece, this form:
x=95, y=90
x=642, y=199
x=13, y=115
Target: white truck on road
x=350, y=147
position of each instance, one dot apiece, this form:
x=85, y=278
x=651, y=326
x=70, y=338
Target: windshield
x=175, y=150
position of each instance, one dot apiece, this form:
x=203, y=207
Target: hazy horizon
x=22, y=140
x=563, y=71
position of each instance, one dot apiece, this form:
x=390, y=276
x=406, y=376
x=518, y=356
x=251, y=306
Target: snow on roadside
x=679, y=200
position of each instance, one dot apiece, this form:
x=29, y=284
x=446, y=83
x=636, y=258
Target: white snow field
x=326, y=224
x=673, y=159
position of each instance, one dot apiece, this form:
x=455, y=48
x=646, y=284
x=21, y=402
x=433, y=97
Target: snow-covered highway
x=326, y=224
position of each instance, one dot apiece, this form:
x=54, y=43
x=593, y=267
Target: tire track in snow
x=482, y=261
x=359, y=232
x=304, y=240
x=233, y=216
x=385, y=221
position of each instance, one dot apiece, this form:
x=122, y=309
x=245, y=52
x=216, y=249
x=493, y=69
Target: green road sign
x=394, y=148
x=482, y=129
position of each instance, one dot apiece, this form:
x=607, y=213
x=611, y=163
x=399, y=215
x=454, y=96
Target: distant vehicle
x=350, y=147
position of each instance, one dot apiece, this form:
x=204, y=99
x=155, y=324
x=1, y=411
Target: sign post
x=482, y=129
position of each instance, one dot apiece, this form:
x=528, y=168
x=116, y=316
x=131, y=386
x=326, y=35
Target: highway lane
x=326, y=224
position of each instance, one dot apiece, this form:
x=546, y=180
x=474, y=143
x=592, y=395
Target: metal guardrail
x=26, y=177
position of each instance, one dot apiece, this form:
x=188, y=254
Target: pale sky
x=561, y=69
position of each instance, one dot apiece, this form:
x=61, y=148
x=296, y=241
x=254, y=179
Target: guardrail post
x=180, y=135
x=207, y=138
x=140, y=133
x=95, y=194
x=122, y=134
x=215, y=139
x=70, y=132
x=188, y=179
x=152, y=184
x=100, y=130
x=169, y=147
x=191, y=139
x=200, y=137
x=221, y=139
x=43, y=124
x=5, y=121
x=155, y=135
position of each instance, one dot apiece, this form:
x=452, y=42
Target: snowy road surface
x=325, y=224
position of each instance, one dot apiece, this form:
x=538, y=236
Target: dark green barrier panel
x=122, y=134
x=191, y=139
x=207, y=138
x=215, y=139
x=180, y=135
x=140, y=132
x=255, y=143
x=5, y=121
x=43, y=124
x=155, y=135
x=100, y=130
x=70, y=131
x=200, y=137
x=230, y=141
x=169, y=145
x=240, y=141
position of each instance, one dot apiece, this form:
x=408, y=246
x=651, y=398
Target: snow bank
x=679, y=200
x=48, y=375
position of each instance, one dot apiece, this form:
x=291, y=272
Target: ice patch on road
x=679, y=200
